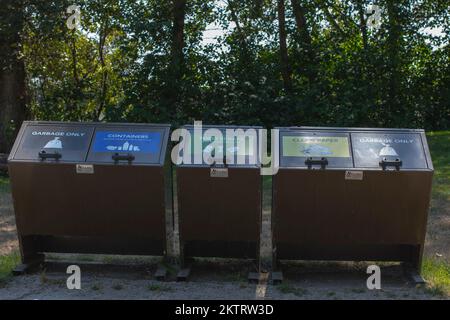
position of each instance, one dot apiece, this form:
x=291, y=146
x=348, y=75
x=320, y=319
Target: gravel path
x=218, y=279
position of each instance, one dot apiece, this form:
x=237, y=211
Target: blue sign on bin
x=115, y=141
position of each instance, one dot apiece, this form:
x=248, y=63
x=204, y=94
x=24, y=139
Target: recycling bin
x=351, y=194
x=91, y=188
x=219, y=204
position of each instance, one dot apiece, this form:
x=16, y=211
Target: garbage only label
x=71, y=141
x=369, y=148
x=135, y=142
x=55, y=139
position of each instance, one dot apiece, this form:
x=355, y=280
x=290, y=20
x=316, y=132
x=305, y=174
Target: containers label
x=136, y=142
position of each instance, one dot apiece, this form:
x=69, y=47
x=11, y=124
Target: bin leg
x=185, y=265
x=412, y=273
x=412, y=269
x=29, y=263
x=29, y=254
x=161, y=273
x=258, y=277
x=183, y=274
x=276, y=274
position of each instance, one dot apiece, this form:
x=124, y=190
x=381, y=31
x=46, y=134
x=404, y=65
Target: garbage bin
x=90, y=188
x=351, y=194
x=219, y=204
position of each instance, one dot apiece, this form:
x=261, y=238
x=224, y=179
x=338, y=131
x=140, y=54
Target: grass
x=158, y=288
x=117, y=286
x=358, y=290
x=437, y=271
x=287, y=288
x=437, y=274
x=439, y=143
x=96, y=287
x=4, y=183
x=7, y=263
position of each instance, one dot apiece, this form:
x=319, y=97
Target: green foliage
x=437, y=270
x=4, y=183
x=120, y=65
x=439, y=143
x=7, y=264
x=437, y=274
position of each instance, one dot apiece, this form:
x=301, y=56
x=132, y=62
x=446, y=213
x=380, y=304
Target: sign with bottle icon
x=134, y=142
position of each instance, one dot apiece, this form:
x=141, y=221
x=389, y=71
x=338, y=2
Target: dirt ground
x=8, y=236
x=112, y=277
x=113, y=282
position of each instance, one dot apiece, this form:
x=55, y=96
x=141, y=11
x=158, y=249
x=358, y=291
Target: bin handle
x=310, y=161
x=385, y=162
x=225, y=164
x=44, y=155
x=123, y=157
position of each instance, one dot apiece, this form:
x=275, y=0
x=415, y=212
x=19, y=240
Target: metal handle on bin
x=122, y=157
x=44, y=155
x=385, y=162
x=323, y=162
x=224, y=162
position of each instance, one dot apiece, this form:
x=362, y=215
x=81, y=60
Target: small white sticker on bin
x=85, y=169
x=219, y=172
x=354, y=175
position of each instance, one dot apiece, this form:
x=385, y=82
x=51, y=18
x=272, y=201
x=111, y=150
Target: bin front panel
x=296, y=146
x=370, y=147
x=68, y=140
x=219, y=211
x=143, y=144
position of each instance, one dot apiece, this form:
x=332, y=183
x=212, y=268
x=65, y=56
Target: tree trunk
x=12, y=73
x=305, y=40
x=177, y=57
x=284, y=58
x=103, y=35
x=393, y=107
x=331, y=19
x=362, y=22
x=240, y=31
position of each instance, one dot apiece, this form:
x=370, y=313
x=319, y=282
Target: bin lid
x=298, y=145
x=369, y=148
x=129, y=144
x=237, y=145
x=42, y=141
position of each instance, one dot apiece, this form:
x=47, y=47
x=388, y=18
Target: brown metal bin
x=352, y=194
x=91, y=188
x=219, y=205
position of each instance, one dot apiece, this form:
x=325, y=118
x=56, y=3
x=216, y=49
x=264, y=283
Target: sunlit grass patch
x=4, y=183
x=437, y=274
x=7, y=264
